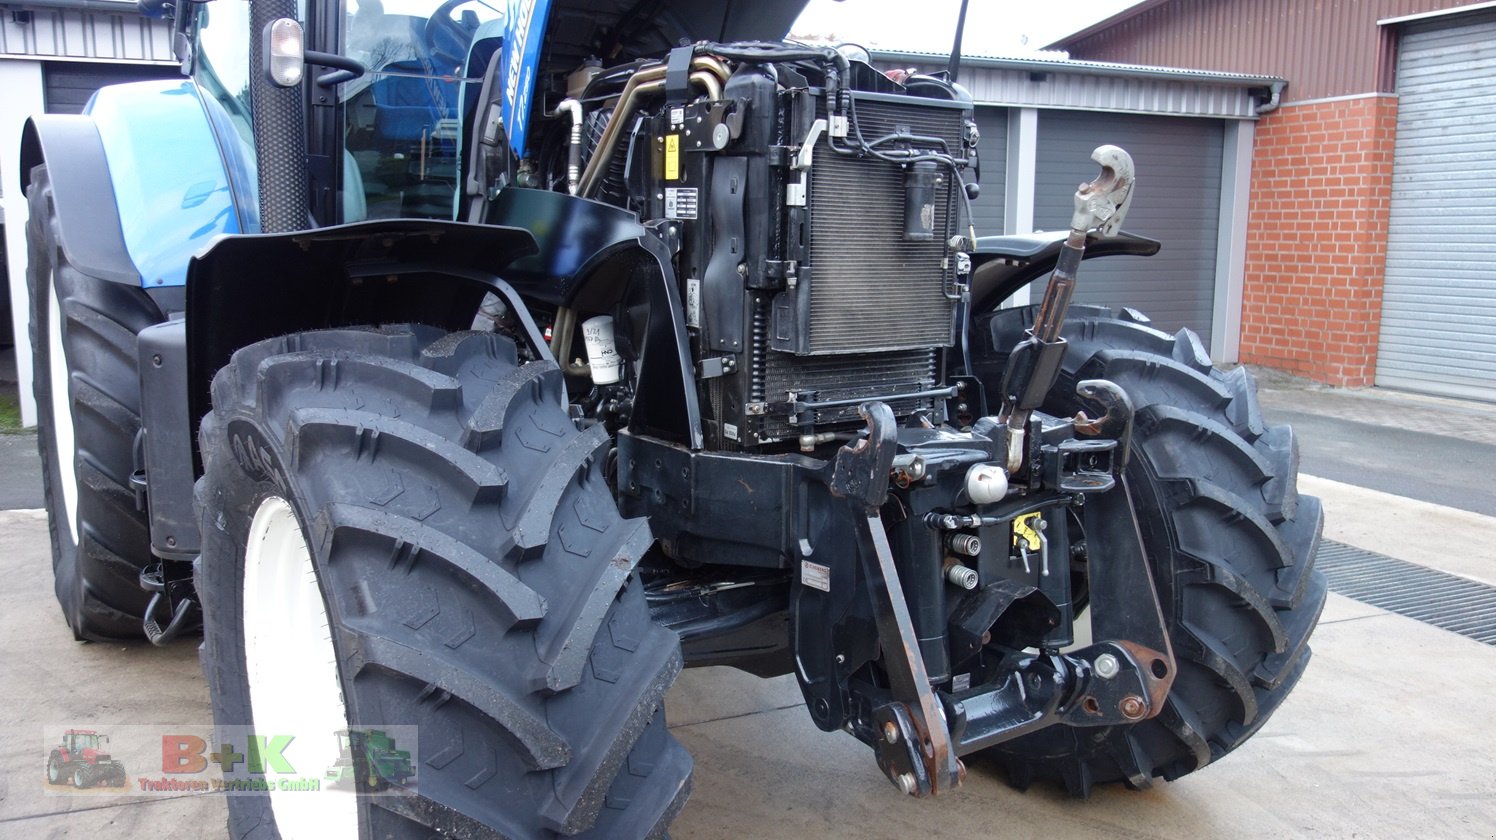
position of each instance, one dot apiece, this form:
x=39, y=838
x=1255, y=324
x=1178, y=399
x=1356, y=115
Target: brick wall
x=1317, y=239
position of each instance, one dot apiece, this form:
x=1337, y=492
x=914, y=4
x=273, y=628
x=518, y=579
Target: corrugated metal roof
x=1097, y=86
x=1325, y=49
x=85, y=35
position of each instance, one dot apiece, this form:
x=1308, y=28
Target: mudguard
x=139, y=181
x=248, y=288
x=1001, y=265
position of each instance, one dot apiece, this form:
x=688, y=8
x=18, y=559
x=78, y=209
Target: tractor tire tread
x=1232, y=541
x=517, y=638
x=96, y=578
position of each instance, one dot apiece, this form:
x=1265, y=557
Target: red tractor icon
x=79, y=760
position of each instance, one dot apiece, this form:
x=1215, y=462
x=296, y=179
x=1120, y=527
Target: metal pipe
x=1275, y=97
x=574, y=149
x=707, y=72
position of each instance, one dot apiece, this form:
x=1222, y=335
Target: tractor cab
x=83, y=743
x=385, y=130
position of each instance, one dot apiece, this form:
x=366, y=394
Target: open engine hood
x=622, y=30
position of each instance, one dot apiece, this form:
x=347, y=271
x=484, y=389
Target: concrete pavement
x=1428, y=448
x=1384, y=737
x=46, y=678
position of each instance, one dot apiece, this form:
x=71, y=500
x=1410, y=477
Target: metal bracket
x=861, y=469
x=920, y=760
x=795, y=191
x=1124, y=603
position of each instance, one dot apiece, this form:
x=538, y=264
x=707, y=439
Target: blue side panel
x=524, y=34
x=168, y=175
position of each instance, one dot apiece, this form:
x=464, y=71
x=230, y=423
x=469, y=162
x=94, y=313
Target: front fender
x=248, y=288
x=1001, y=265
x=139, y=181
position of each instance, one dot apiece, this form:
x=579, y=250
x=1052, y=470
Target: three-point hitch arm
x=1035, y=364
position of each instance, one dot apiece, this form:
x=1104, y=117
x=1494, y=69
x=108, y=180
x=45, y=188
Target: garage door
x=68, y=85
x=1178, y=201
x=993, y=152
x=1439, y=301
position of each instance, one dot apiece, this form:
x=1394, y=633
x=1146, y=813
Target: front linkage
x=927, y=641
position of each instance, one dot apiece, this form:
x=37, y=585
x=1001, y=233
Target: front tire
x=1231, y=541
x=87, y=388
x=475, y=578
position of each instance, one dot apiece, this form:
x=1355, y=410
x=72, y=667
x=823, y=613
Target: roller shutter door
x=992, y=150
x=68, y=85
x=1178, y=202
x=1439, y=301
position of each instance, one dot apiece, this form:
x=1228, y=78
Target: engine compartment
x=817, y=215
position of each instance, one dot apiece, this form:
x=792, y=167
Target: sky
x=993, y=27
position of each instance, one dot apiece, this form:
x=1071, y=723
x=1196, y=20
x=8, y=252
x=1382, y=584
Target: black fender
x=538, y=246
x=82, y=192
x=246, y=288
x=1001, y=265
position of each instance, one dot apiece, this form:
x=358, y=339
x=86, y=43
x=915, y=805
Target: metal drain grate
x=1438, y=598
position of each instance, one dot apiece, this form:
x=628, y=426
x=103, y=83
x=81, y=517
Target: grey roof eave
x=118, y=7
x=1087, y=68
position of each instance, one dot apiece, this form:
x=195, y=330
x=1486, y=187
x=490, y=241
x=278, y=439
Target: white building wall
x=22, y=82
x=30, y=36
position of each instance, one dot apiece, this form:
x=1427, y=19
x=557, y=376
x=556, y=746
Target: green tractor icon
x=368, y=761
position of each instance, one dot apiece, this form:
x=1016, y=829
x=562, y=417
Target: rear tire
x=1231, y=542
x=475, y=574
x=88, y=411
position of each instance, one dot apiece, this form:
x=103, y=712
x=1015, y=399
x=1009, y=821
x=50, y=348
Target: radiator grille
x=870, y=289
x=866, y=377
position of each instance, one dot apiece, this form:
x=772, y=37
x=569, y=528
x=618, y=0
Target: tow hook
x=1115, y=421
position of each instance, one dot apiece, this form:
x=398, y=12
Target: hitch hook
x=1115, y=421
x=1103, y=203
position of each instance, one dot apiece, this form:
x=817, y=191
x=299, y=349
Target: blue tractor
x=476, y=367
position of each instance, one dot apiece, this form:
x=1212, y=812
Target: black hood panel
x=617, y=31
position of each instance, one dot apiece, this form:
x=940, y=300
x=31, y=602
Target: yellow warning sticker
x=672, y=157
x=1026, y=532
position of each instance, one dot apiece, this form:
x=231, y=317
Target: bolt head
x=907, y=784
x=1132, y=707
x=890, y=732
x=1107, y=666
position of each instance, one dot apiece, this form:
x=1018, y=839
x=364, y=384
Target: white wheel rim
x=293, y=675
x=62, y=414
